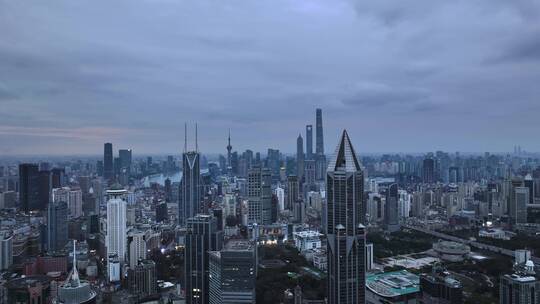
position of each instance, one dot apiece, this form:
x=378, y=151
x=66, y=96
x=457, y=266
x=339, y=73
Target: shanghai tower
x=345, y=232
x=320, y=159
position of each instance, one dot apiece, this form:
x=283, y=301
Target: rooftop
x=392, y=284
x=307, y=234
x=239, y=245
x=344, y=158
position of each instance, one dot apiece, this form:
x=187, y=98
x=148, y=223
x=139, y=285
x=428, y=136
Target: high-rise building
x=259, y=193
x=320, y=158
x=518, y=205
x=300, y=158
x=280, y=194
x=142, y=279
x=161, y=212
x=293, y=191
x=369, y=256
x=275, y=208
x=116, y=222
x=319, y=143
x=529, y=183
x=74, y=290
x=57, y=229
x=391, y=214
x=273, y=162
x=201, y=237
x=299, y=211
x=58, y=177
x=310, y=173
x=309, y=142
x=44, y=189
x=137, y=247
x=190, y=186
x=6, y=250
x=113, y=268
x=429, y=171
x=521, y=287
x=233, y=273
x=108, y=167
x=29, y=187
x=439, y=287
x=345, y=232
x=125, y=159
x=73, y=198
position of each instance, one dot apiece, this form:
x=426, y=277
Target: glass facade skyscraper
x=345, y=231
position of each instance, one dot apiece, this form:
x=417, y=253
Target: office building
x=319, y=142
x=518, y=205
x=108, y=166
x=58, y=178
x=161, y=212
x=125, y=156
x=259, y=194
x=116, y=223
x=439, y=287
x=429, y=171
x=29, y=289
x=113, y=269
x=6, y=250
x=293, y=191
x=320, y=158
x=345, y=231
x=233, y=273
x=142, y=279
x=280, y=194
x=57, y=229
x=137, y=247
x=391, y=216
x=529, y=183
x=29, y=196
x=309, y=142
x=73, y=198
x=201, y=237
x=369, y=256
x=44, y=189
x=521, y=287
x=300, y=158
x=190, y=187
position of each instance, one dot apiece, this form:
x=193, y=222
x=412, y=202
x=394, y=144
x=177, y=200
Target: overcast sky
x=400, y=76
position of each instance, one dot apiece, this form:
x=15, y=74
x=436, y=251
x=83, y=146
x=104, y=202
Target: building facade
x=233, y=273
x=202, y=236
x=344, y=228
x=116, y=237
x=190, y=187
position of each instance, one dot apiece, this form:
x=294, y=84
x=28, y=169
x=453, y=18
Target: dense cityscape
x=269, y=227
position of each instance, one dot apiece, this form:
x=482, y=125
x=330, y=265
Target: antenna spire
x=196, y=143
x=74, y=280
x=185, y=137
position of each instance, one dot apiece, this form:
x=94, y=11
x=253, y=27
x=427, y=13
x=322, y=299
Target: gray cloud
x=74, y=74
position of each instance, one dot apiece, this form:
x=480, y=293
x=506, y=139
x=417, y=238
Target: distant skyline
x=399, y=76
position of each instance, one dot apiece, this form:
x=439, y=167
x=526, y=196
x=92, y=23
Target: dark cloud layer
x=399, y=75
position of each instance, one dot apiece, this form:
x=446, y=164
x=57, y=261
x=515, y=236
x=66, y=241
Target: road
x=474, y=244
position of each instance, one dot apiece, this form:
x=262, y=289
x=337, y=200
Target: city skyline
x=269, y=152
x=413, y=76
